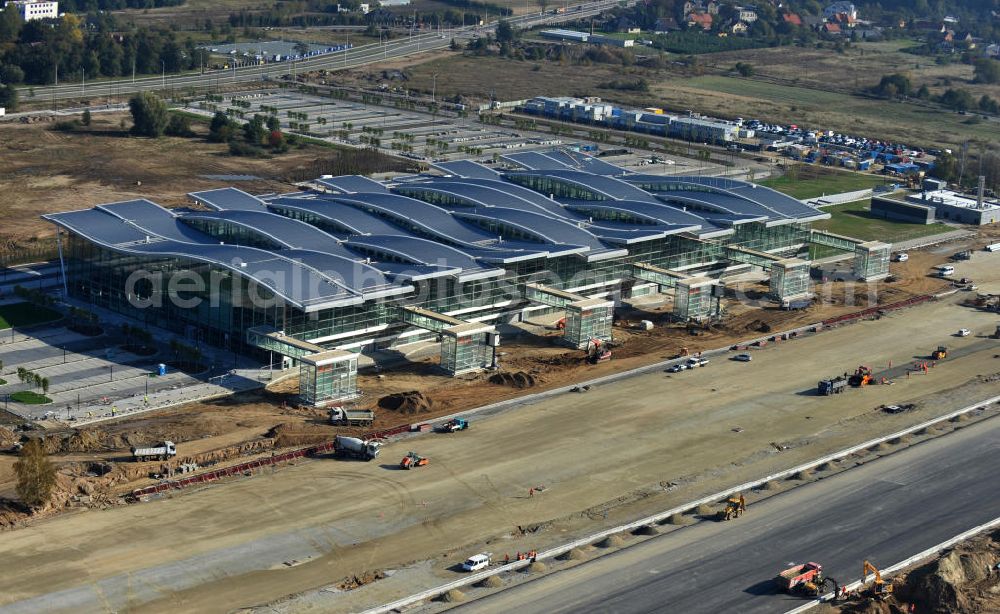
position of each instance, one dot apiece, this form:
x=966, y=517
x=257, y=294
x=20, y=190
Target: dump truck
x=161, y=451
x=804, y=579
x=940, y=353
x=352, y=447
x=412, y=459
x=834, y=385
x=455, y=424
x=352, y=417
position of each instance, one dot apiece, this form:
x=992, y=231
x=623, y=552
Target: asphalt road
x=884, y=511
x=358, y=56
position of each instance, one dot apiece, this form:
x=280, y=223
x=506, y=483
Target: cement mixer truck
x=352, y=447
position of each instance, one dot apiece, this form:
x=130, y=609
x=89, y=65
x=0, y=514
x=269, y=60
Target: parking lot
x=418, y=134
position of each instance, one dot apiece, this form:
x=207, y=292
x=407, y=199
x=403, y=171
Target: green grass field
x=29, y=397
x=25, y=314
x=855, y=220
x=810, y=182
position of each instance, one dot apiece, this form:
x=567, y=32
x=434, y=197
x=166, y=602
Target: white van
x=476, y=562
x=944, y=271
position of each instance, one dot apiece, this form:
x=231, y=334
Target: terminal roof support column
x=468, y=347
x=790, y=280
x=693, y=298
x=871, y=260
x=588, y=319
x=328, y=377
x=465, y=346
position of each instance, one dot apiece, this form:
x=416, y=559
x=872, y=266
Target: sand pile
x=412, y=402
x=491, y=582
x=453, y=596
x=572, y=555
x=519, y=379
x=615, y=541
x=679, y=520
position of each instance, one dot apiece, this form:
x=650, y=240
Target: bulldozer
x=412, y=459
x=940, y=353
x=880, y=589
x=735, y=506
x=862, y=377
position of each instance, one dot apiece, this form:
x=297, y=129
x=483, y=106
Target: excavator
x=597, y=352
x=940, y=353
x=735, y=506
x=862, y=377
x=880, y=588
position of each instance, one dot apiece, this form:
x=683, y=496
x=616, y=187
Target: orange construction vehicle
x=940, y=353
x=597, y=352
x=561, y=324
x=880, y=588
x=735, y=506
x=805, y=579
x=862, y=377
x=412, y=459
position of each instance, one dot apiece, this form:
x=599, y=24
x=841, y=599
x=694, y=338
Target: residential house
x=792, y=19
x=703, y=20
x=831, y=28
x=841, y=7
x=746, y=14
x=666, y=25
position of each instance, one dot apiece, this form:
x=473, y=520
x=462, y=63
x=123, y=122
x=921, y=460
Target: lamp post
x=434, y=84
x=111, y=373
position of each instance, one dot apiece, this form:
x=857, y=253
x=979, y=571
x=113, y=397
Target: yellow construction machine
x=735, y=506
x=880, y=588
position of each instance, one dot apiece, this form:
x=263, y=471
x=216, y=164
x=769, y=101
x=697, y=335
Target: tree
x=221, y=128
x=505, y=32
x=36, y=476
x=149, y=114
x=179, y=125
x=986, y=70
x=85, y=120
x=255, y=131
x=745, y=70
x=894, y=85
x=8, y=97
x=45, y=385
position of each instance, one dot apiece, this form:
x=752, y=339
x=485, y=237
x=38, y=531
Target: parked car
x=696, y=362
x=743, y=357
x=964, y=332
x=901, y=257
x=677, y=368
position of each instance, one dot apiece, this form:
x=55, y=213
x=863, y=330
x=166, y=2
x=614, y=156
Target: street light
x=434, y=84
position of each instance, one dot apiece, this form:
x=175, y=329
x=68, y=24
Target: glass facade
x=789, y=279
x=692, y=301
x=590, y=321
x=871, y=260
x=324, y=381
x=461, y=353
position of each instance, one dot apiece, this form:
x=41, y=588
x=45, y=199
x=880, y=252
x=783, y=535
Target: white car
x=677, y=368
x=964, y=332
x=476, y=562
x=901, y=257
x=743, y=357
x=696, y=362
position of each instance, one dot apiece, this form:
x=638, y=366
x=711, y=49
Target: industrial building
x=35, y=9
x=353, y=265
x=936, y=202
x=648, y=121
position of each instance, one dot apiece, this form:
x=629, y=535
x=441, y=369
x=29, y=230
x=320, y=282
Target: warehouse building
x=353, y=265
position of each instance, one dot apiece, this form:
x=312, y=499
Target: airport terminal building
x=351, y=264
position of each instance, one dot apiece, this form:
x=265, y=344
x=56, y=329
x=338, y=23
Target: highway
x=351, y=58
x=885, y=510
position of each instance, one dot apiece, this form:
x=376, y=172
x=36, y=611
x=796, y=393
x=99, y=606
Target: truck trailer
x=834, y=385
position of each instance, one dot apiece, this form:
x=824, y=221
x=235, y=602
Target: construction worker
x=531, y=492
x=506, y=559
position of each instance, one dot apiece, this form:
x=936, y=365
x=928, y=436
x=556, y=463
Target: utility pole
x=163, y=74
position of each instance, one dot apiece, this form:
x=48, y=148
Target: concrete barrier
x=661, y=516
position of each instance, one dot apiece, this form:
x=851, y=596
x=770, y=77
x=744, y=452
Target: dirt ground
x=965, y=579
x=320, y=521
x=46, y=171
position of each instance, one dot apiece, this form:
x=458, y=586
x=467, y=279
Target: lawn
x=25, y=314
x=855, y=220
x=810, y=182
x=29, y=397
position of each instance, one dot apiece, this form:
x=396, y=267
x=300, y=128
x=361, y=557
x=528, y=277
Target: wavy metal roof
x=351, y=184
x=609, y=187
x=228, y=198
x=349, y=220
x=467, y=168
